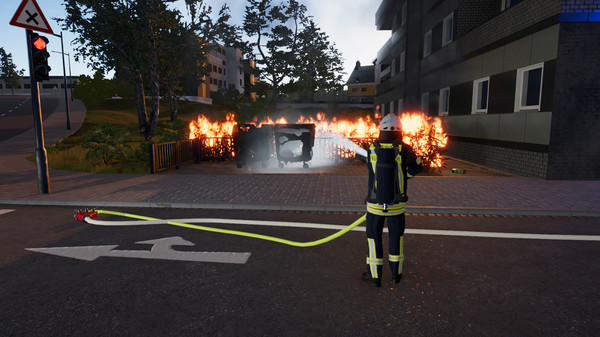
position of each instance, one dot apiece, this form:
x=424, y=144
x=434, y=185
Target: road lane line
x=4, y=211
x=499, y=235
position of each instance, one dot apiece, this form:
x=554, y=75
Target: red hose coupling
x=86, y=213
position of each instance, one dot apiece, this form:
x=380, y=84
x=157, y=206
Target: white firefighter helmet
x=390, y=123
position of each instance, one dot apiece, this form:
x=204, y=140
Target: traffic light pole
x=40, y=151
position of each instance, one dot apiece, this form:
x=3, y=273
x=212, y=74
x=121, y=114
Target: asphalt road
x=452, y=286
x=16, y=114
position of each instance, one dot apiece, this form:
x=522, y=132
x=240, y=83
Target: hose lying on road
x=180, y=222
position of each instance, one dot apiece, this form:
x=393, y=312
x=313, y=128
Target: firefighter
x=390, y=162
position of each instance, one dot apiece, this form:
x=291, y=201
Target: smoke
x=341, y=141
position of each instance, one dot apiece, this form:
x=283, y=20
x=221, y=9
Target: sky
x=350, y=24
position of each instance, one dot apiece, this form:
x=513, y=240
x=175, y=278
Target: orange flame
x=421, y=132
x=424, y=134
x=205, y=128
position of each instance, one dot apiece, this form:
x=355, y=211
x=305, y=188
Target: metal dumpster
x=252, y=144
x=294, y=143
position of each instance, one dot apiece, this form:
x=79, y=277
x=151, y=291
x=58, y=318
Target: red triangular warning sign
x=30, y=16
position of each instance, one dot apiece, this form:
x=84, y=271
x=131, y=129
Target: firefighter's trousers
x=396, y=225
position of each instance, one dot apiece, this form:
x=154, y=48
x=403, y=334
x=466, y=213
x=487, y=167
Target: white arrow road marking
x=161, y=250
x=4, y=211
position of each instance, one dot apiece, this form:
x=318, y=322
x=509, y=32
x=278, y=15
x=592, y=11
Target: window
x=354, y=89
x=425, y=103
x=402, y=61
x=529, y=87
x=363, y=89
x=427, y=44
x=447, y=29
x=403, y=22
x=220, y=70
x=509, y=3
x=444, y=101
x=480, y=95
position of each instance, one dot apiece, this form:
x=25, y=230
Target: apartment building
x=516, y=82
x=228, y=68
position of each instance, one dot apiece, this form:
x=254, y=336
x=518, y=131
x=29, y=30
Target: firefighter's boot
x=396, y=268
x=374, y=281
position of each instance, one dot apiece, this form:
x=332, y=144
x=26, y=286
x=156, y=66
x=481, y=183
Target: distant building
x=51, y=86
x=228, y=68
x=517, y=82
x=361, y=84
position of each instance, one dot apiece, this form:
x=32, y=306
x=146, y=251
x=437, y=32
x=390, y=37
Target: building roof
x=362, y=74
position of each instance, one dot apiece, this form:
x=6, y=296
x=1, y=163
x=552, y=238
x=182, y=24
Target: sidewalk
x=325, y=188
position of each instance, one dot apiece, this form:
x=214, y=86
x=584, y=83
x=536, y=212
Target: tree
x=274, y=40
x=8, y=71
x=292, y=53
x=183, y=61
x=318, y=65
x=135, y=38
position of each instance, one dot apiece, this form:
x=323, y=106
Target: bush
x=96, y=90
x=106, y=143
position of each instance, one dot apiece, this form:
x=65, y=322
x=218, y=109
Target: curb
x=304, y=208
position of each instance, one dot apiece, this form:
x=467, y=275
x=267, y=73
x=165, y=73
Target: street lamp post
x=64, y=78
x=70, y=77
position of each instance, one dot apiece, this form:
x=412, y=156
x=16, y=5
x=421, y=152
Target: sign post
x=30, y=17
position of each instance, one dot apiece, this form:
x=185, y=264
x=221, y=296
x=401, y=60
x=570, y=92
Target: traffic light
x=39, y=56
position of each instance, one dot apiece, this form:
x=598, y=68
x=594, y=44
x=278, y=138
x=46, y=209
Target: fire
x=203, y=127
x=423, y=133
x=362, y=128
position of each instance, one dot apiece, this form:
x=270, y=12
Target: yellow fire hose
x=154, y=221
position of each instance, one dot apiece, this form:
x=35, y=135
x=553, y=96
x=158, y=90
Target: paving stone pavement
x=211, y=184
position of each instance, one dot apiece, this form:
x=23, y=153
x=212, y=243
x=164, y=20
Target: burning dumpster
x=294, y=143
x=252, y=144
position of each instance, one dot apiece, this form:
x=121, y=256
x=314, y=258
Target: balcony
x=391, y=47
x=384, y=17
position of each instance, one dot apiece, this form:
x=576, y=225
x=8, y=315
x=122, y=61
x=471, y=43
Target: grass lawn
x=70, y=154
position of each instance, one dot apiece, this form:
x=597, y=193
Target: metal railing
x=171, y=154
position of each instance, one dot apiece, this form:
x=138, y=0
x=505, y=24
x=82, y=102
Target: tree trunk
x=138, y=83
x=173, y=107
x=155, y=92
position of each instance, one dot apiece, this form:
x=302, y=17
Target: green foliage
x=171, y=131
x=228, y=97
x=253, y=109
x=8, y=70
x=106, y=143
x=96, y=90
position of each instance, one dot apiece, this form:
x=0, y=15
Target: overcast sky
x=350, y=24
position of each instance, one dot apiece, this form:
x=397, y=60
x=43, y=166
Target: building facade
x=55, y=85
x=228, y=68
x=361, y=84
x=516, y=82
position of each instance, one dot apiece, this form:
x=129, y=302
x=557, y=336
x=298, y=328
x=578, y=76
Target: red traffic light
x=39, y=43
